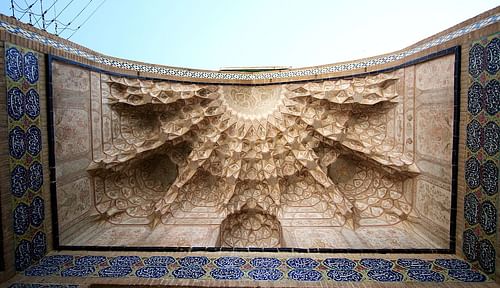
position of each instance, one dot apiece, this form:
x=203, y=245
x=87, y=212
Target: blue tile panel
x=300, y=269
x=17, y=67
x=482, y=155
x=25, y=146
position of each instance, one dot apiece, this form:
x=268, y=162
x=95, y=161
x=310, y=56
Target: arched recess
x=250, y=228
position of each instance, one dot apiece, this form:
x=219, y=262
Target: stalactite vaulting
x=239, y=152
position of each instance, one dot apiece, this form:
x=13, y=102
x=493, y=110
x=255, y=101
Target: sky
x=210, y=34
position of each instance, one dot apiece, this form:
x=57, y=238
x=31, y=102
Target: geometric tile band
x=180, y=72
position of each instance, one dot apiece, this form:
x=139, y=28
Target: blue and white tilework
x=385, y=275
x=339, y=263
x=345, y=275
x=265, y=262
x=425, y=275
x=78, y=271
x=238, y=268
x=414, y=263
x=228, y=268
x=304, y=275
x=342, y=269
x=265, y=274
x=191, y=267
x=265, y=269
x=482, y=155
x=452, y=264
x=467, y=275
x=25, y=145
x=303, y=269
x=16, y=65
x=382, y=270
x=155, y=267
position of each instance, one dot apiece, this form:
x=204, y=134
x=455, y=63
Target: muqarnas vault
x=354, y=162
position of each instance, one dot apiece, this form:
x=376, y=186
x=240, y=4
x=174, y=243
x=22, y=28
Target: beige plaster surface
x=344, y=163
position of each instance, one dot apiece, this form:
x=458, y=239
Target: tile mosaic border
x=218, y=75
x=456, y=50
x=482, y=147
x=257, y=269
x=25, y=149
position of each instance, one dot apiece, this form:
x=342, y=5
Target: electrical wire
x=91, y=14
x=31, y=13
x=76, y=16
x=52, y=21
x=58, y=24
x=46, y=10
x=24, y=10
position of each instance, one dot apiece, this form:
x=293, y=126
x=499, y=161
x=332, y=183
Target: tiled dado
x=25, y=147
x=482, y=153
x=186, y=73
x=244, y=268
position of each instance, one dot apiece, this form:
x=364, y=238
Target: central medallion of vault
x=248, y=155
x=252, y=102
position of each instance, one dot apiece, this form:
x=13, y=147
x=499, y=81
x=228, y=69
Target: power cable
x=31, y=12
x=24, y=9
x=45, y=12
x=77, y=16
x=91, y=14
x=58, y=24
x=52, y=21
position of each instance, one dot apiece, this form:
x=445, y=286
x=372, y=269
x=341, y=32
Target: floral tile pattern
x=482, y=154
x=235, y=268
x=186, y=73
x=25, y=146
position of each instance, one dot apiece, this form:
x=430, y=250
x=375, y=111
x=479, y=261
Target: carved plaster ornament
x=249, y=150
